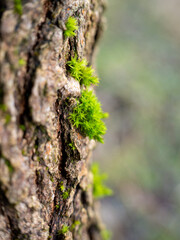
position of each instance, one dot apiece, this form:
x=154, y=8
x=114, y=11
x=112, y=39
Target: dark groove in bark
x=94, y=231
x=32, y=65
x=63, y=143
x=3, y=7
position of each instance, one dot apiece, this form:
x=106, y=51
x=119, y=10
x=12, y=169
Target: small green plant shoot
x=99, y=189
x=71, y=26
x=76, y=223
x=106, y=234
x=65, y=195
x=63, y=230
x=87, y=115
x=18, y=7
x=61, y=186
x=57, y=206
x=82, y=73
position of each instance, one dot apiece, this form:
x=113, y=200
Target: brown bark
x=35, y=156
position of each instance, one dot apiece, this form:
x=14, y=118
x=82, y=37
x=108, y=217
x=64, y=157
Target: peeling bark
x=44, y=183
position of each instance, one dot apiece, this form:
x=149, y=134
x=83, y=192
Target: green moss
x=71, y=26
x=9, y=165
x=72, y=146
x=18, y=7
x=106, y=234
x=75, y=223
x=65, y=195
x=7, y=162
x=51, y=178
x=99, y=189
x=21, y=62
x=87, y=115
x=23, y=152
x=61, y=186
x=7, y=118
x=22, y=127
x=81, y=72
x=57, y=206
x=63, y=230
x=3, y=107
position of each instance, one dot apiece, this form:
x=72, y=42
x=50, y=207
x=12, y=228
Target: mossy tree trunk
x=45, y=183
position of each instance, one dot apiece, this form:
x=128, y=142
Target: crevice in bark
x=32, y=65
x=40, y=185
x=84, y=199
x=63, y=143
x=94, y=232
x=1, y=92
x=97, y=36
x=3, y=7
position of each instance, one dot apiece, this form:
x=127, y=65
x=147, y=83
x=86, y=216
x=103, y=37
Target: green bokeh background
x=139, y=67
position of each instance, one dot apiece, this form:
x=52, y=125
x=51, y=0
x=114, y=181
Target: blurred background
x=139, y=67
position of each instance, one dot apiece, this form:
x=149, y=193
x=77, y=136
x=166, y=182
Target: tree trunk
x=45, y=184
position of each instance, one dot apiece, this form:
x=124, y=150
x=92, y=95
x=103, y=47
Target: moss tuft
x=65, y=195
x=61, y=186
x=57, y=206
x=99, y=189
x=75, y=223
x=3, y=107
x=9, y=165
x=72, y=146
x=21, y=62
x=87, y=115
x=7, y=118
x=18, y=7
x=63, y=230
x=82, y=73
x=71, y=26
x=106, y=234
x=22, y=127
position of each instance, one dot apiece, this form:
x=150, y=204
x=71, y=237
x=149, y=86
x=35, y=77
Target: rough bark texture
x=35, y=133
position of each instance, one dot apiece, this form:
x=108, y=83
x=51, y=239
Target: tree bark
x=45, y=184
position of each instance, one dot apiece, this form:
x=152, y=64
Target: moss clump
x=71, y=26
x=61, y=186
x=21, y=62
x=87, y=115
x=73, y=147
x=81, y=72
x=65, y=195
x=9, y=165
x=18, y=7
x=99, y=189
x=51, y=177
x=23, y=152
x=75, y=223
x=106, y=234
x=57, y=206
x=3, y=107
x=7, y=118
x=63, y=230
x=22, y=127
